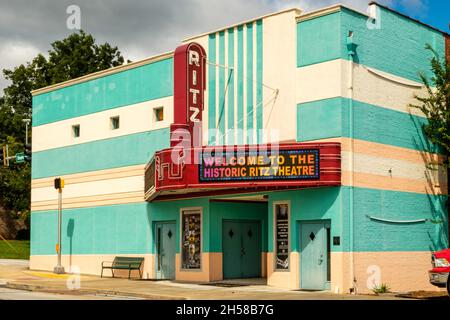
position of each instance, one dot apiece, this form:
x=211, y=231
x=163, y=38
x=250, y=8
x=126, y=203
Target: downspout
x=351, y=54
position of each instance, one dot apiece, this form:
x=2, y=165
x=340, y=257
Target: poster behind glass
x=282, y=236
x=191, y=239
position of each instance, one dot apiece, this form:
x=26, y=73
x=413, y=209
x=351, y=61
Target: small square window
x=115, y=123
x=76, y=131
x=159, y=114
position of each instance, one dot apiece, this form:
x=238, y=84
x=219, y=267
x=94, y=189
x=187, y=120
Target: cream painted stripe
x=244, y=84
x=319, y=81
x=384, y=150
x=225, y=90
x=217, y=90
x=371, y=181
x=236, y=90
x=101, y=187
x=381, y=166
x=91, y=201
x=134, y=118
x=329, y=80
x=130, y=171
x=254, y=84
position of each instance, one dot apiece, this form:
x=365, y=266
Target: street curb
x=50, y=289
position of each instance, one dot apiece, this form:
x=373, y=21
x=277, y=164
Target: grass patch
x=20, y=249
x=382, y=288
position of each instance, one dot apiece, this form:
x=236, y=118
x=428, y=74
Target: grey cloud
x=140, y=28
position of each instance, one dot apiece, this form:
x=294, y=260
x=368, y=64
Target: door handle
x=321, y=259
x=242, y=251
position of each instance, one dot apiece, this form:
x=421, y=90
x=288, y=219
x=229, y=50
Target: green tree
x=436, y=107
x=72, y=57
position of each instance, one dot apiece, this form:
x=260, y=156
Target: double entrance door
x=165, y=236
x=241, y=247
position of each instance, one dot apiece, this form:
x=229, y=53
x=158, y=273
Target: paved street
x=42, y=285
x=12, y=294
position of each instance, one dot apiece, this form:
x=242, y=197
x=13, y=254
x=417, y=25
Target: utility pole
x=27, y=122
x=59, y=185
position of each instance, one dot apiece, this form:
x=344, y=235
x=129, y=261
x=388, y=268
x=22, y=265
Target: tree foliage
x=72, y=57
x=436, y=105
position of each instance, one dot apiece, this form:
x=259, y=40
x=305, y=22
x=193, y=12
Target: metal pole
x=59, y=269
x=26, y=132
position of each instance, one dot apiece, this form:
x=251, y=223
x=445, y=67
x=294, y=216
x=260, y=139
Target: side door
x=313, y=256
x=165, y=249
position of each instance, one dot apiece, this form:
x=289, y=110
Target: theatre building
x=280, y=148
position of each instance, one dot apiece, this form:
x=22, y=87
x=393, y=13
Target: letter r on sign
x=194, y=58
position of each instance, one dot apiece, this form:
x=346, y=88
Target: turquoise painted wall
x=318, y=40
x=370, y=236
x=211, y=55
x=170, y=211
x=222, y=92
x=148, y=82
x=128, y=228
x=259, y=80
x=99, y=230
x=230, y=82
x=111, y=153
x=329, y=118
x=312, y=204
x=221, y=88
x=220, y=211
x=397, y=47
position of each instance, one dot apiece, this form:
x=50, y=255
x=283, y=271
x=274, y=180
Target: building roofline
x=327, y=10
x=408, y=17
x=145, y=61
x=166, y=55
x=297, y=10
x=103, y=73
x=339, y=6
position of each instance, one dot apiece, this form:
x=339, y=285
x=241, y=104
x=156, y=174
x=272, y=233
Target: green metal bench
x=124, y=263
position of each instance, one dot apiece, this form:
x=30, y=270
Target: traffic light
x=59, y=183
x=3, y=155
x=27, y=152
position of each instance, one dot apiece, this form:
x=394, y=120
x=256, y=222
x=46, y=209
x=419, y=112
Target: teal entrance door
x=314, y=258
x=241, y=245
x=165, y=249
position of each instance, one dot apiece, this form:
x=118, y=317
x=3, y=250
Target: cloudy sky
x=141, y=28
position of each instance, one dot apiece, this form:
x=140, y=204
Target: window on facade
x=76, y=131
x=159, y=114
x=115, y=123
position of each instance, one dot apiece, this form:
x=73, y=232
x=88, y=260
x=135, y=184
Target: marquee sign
x=230, y=168
x=187, y=167
x=248, y=166
x=189, y=88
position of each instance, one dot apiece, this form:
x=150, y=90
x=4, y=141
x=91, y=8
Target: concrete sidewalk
x=18, y=276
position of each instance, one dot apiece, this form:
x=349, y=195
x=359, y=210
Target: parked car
x=439, y=275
